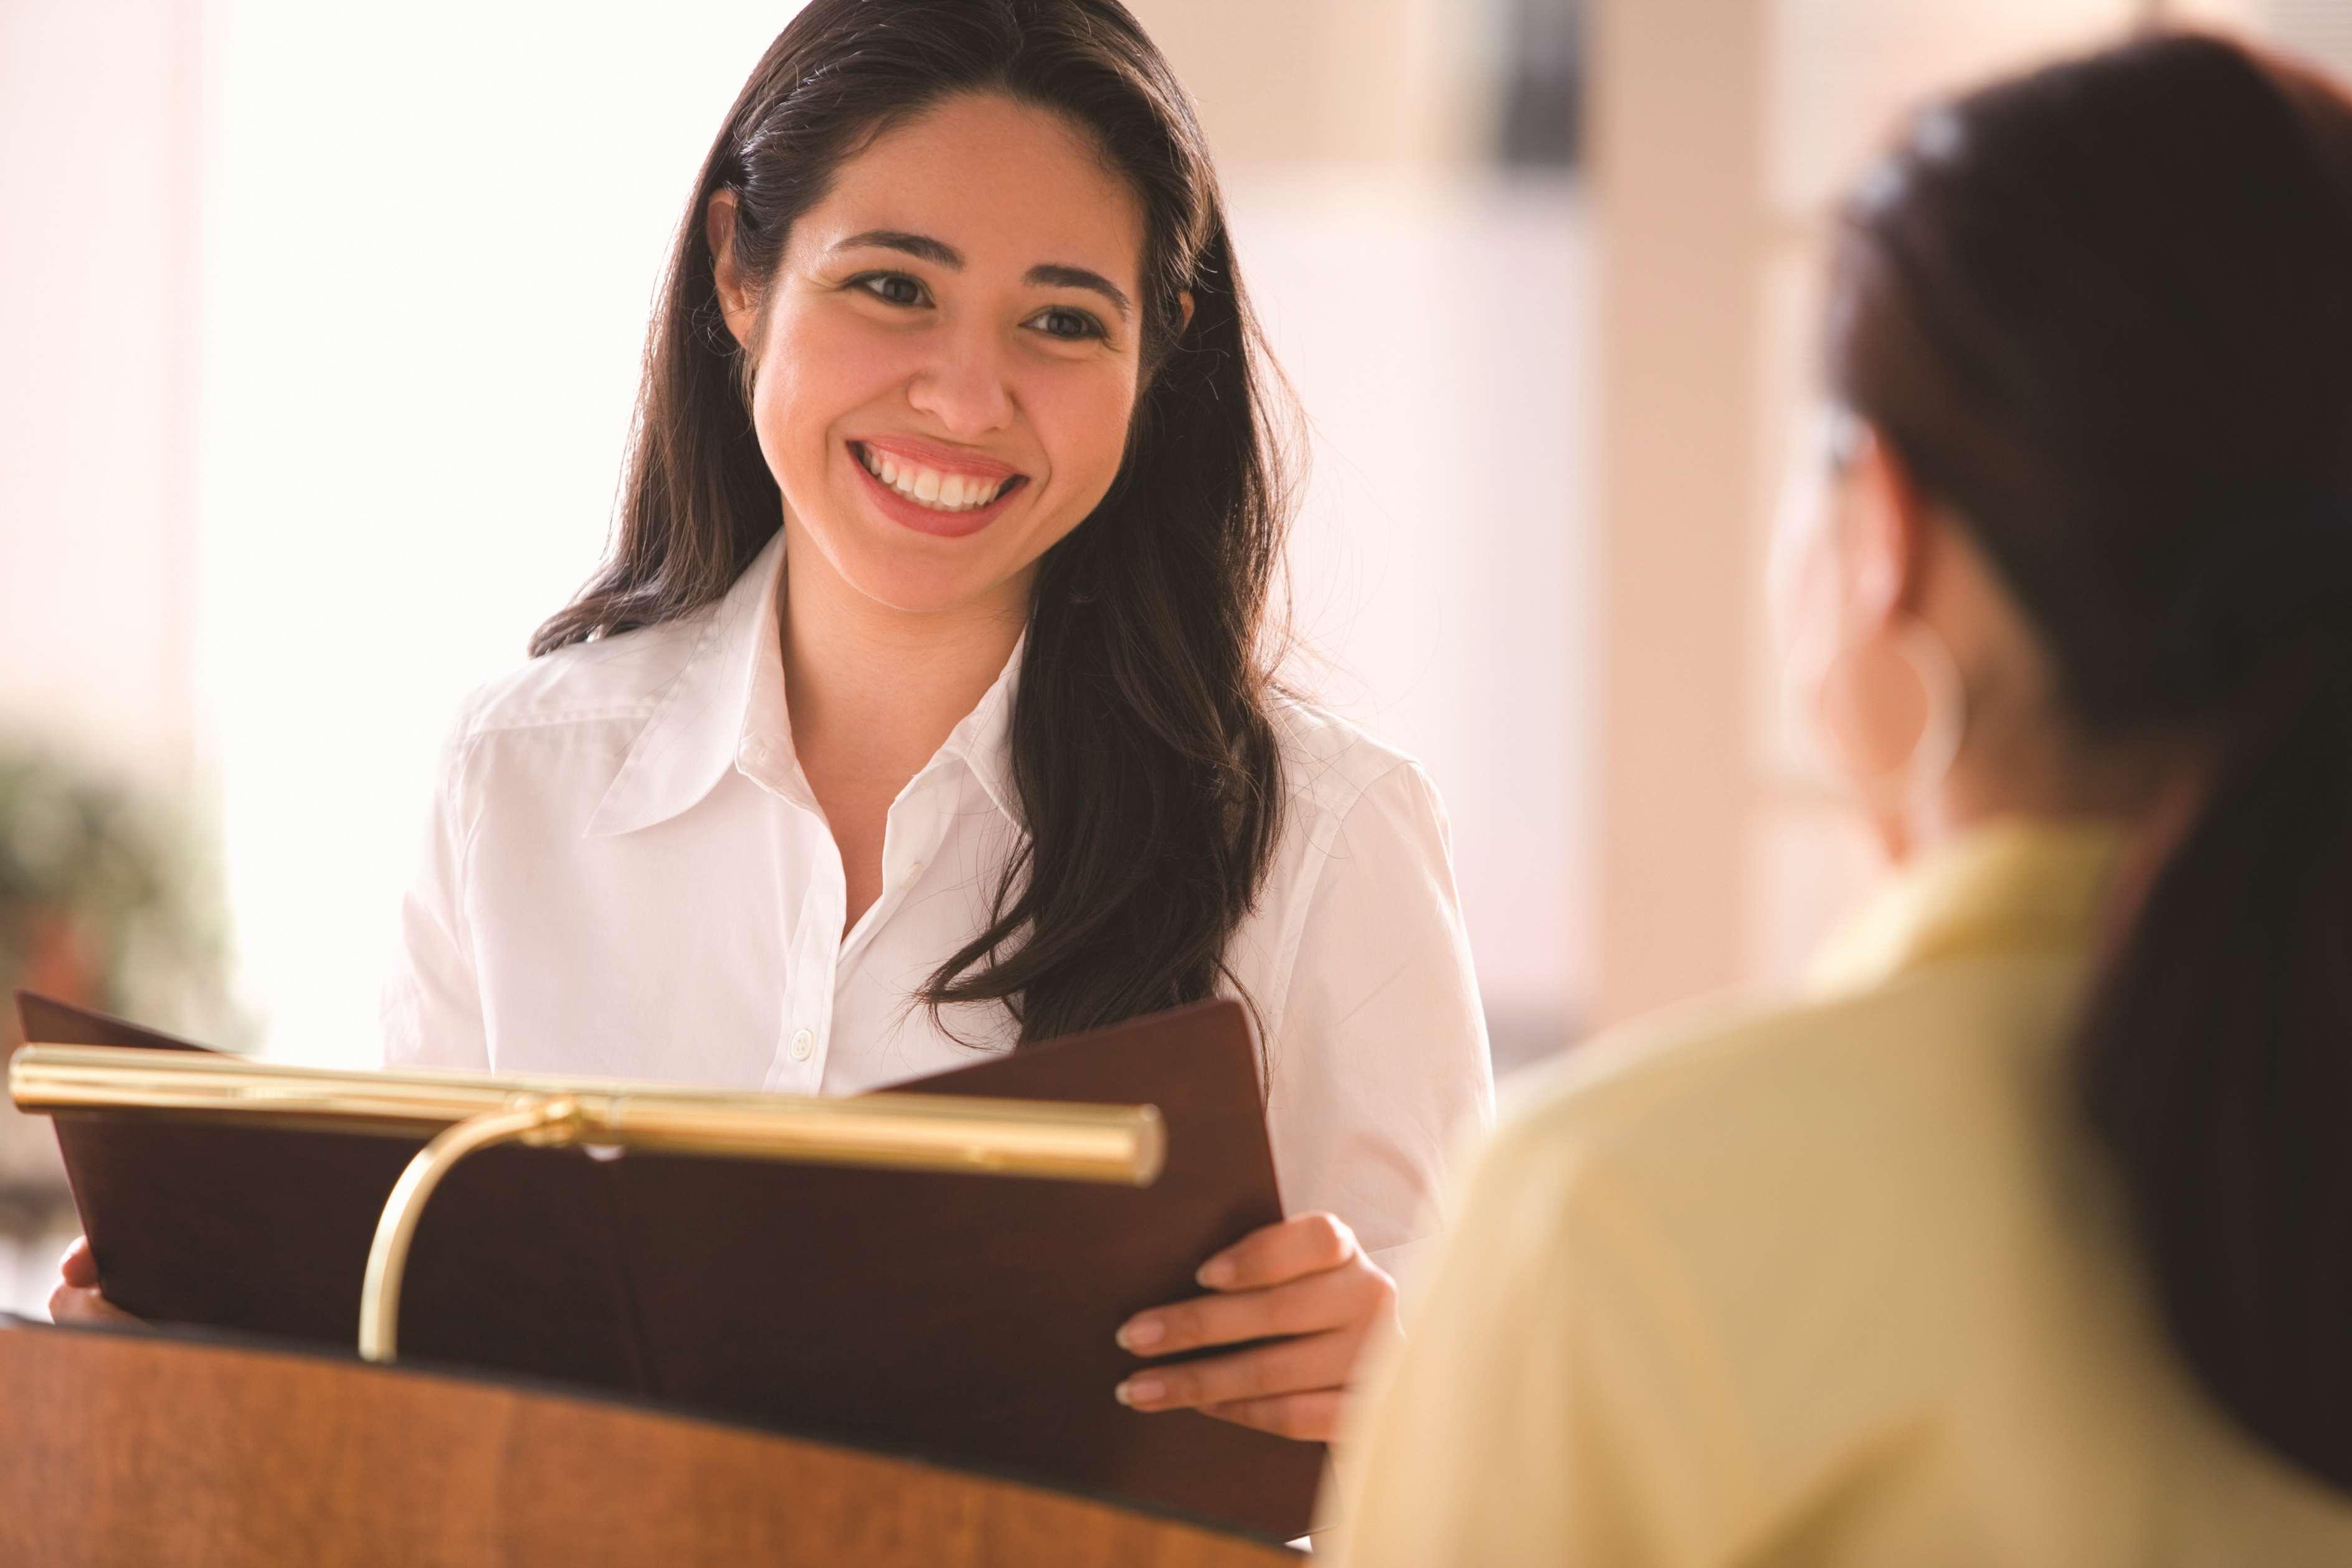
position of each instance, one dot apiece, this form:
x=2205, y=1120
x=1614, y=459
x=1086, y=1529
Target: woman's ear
x=1184, y=308
x=734, y=298
x=1887, y=537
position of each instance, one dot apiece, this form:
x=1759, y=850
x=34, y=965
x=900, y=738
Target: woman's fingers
x=1308, y=1418
x=84, y=1304
x=1312, y=1365
x=78, y=1298
x=1338, y=1298
x=78, y=1267
x=1304, y=1244
x=1304, y=1285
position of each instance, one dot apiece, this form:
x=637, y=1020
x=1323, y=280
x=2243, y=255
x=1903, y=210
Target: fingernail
x=1138, y=1391
x=1216, y=1273
x=1140, y=1334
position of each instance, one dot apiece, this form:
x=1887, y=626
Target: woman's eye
x=1060, y=321
x=895, y=288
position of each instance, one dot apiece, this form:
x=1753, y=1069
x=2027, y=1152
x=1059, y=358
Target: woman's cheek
x=1082, y=419
x=1808, y=618
x=822, y=366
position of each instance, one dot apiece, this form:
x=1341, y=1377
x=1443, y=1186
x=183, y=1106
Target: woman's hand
x=1303, y=1283
x=77, y=1299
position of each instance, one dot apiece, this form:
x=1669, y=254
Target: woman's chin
x=912, y=572
x=901, y=581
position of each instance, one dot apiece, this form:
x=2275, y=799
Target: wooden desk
x=122, y=1447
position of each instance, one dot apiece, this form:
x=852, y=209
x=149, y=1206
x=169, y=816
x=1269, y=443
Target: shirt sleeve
x=1556, y=1399
x=431, y=1007
x=1379, y=1060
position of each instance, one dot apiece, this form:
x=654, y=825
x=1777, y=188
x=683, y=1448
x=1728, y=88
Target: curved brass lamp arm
x=549, y=1123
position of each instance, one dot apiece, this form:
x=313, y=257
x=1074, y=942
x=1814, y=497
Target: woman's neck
x=874, y=692
x=2051, y=775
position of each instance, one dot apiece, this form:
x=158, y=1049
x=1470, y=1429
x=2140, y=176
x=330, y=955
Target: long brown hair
x=2104, y=310
x=1147, y=764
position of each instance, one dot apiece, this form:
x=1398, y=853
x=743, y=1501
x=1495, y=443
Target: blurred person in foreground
x=2028, y=1237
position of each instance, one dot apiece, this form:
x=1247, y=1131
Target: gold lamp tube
x=1118, y=1143
x=461, y=1112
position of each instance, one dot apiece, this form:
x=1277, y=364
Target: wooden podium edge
x=197, y=1447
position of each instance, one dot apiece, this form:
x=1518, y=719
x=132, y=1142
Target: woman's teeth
x=929, y=486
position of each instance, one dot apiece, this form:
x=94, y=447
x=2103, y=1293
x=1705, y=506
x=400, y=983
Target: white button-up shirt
x=626, y=875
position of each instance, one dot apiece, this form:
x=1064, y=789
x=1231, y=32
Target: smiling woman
x=975, y=354
x=924, y=706
x=887, y=253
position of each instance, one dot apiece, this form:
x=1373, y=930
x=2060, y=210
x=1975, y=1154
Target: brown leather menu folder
x=966, y=1318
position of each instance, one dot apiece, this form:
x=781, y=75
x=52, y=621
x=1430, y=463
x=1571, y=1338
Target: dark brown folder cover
x=965, y=1318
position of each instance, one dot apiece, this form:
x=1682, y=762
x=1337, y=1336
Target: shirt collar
x=982, y=741
x=725, y=709
x=2014, y=885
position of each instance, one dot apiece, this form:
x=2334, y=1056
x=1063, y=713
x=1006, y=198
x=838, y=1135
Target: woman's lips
x=935, y=490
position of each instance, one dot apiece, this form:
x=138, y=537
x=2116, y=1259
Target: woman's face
x=1807, y=576
x=947, y=355
x=1836, y=597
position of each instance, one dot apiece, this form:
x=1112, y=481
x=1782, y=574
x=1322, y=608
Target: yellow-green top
x=1841, y=1283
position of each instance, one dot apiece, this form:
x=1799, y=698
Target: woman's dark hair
x=1140, y=743
x=2105, y=312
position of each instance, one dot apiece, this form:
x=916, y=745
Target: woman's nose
x=964, y=386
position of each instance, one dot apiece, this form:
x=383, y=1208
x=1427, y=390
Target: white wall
x=1437, y=335
x=434, y=234
x=98, y=222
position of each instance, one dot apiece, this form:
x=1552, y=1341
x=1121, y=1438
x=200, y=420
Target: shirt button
x=804, y=1044
x=914, y=870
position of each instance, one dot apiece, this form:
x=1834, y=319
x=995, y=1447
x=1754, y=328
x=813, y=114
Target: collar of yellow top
x=2009, y=886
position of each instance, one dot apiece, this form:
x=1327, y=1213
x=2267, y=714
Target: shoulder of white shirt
x=609, y=679
x=1328, y=763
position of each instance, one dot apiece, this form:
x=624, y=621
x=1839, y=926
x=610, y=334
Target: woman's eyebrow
x=919, y=246
x=1052, y=276
x=1047, y=275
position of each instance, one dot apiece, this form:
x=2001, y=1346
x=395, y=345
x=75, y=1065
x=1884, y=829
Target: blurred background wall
x=319, y=328
x=1722, y=132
